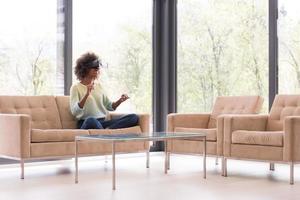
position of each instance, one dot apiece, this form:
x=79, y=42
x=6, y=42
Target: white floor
x=55, y=180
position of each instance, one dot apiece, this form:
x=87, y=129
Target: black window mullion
x=164, y=63
x=273, y=51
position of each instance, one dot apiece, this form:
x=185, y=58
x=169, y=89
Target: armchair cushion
x=187, y=120
x=234, y=105
x=265, y=138
x=283, y=106
x=211, y=133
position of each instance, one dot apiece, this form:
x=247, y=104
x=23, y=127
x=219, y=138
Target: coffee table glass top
x=142, y=136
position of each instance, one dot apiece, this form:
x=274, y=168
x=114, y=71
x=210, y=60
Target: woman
x=88, y=102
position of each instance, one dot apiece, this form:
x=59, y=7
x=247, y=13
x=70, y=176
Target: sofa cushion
x=56, y=135
x=234, y=105
x=134, y=129
x=266, y=138
x=67, y=119
x=211, y=133
x=42, y=110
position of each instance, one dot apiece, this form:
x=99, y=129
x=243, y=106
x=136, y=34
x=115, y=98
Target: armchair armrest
x=15, y=135
x=187, y=121
x=144, y=120
x=220, y=134
x=291, y=127
x=250, y=122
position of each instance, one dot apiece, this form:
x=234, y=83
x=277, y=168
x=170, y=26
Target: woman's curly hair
x=81, y=69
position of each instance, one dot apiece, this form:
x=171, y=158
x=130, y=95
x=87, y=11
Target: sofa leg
x=222, y=166
x=22, y=168
x=292, y=173
x=217, y=160
x=272, y=166
x=148, y=159
x=225, y=167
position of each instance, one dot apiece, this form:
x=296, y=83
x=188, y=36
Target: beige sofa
x=272, y=138
x=210, y=123
x=39, y=127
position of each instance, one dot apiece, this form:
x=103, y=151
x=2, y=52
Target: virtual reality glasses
x=94, y=64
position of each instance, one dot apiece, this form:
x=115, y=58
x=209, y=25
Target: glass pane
x=222, y=50
x=28, y=47
x=289, y=46
x=120, y=33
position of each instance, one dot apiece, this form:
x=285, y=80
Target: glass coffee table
x=156, y=136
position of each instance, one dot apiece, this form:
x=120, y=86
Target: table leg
x=204, y=157
x=76, y=161
x=113, y=166
x=169, y=158
x=148, y=158
x=22, y=168
x=166, y=156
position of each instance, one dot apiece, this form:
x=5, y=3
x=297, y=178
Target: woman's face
x=94, y=73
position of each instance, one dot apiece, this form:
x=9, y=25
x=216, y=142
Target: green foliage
x=132, y=72
x=222, y=50
x=289, y=52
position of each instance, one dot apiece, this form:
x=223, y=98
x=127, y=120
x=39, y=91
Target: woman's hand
x=123, y=98
x=89, y=88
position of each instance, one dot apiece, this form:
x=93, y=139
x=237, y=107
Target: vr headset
x=94, y=64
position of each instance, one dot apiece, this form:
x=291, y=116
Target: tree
x=132, y=71
x=219, y=49
x=36, y=78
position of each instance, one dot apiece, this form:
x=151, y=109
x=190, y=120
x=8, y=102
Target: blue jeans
x=123, y=122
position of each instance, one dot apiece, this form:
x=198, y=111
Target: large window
x=28, y=48
x=120, y=33
x=289, y=46
x=222, y=50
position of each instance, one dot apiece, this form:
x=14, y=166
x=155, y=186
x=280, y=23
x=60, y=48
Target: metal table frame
x=113, y=142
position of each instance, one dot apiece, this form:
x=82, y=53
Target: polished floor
x=55, y=180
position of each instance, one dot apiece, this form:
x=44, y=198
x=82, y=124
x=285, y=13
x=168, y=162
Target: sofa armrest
x=250, y=122
x=144, y=120
x=187, y=121
x=291, y=127
x=15, y=135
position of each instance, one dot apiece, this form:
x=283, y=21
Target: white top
x=97, y=104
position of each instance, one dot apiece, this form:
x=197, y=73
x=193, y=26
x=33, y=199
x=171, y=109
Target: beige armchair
x=210, y=123
x=272, y=138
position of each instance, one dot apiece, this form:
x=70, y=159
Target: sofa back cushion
x=234, y=105
x=68, y=121
x=42, y=109
x=283, y=105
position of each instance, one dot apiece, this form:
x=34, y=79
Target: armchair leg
x=272, y=166
x=217, y=160
x=22, y=168
x=224, y=167
x=292, y=173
